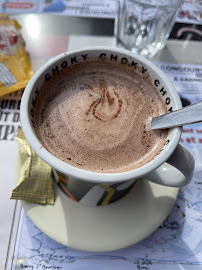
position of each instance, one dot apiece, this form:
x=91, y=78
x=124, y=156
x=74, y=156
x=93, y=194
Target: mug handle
x=177, y=171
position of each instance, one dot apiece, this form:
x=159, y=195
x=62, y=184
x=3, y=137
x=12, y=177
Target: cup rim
x=78, y=173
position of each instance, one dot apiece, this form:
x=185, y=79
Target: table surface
x=175, y=51
x=71, y=33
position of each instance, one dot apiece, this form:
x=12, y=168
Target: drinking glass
x=143, y=26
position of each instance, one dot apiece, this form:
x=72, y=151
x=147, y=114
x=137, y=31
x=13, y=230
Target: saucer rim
x=33, y=211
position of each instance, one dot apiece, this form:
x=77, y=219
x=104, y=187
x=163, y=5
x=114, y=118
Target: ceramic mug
x=172, y=166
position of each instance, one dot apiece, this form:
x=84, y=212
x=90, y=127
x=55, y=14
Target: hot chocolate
x=96, y=116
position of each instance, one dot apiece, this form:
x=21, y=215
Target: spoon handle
x=187, y=115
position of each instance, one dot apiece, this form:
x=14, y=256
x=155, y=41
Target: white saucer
x=105, y=228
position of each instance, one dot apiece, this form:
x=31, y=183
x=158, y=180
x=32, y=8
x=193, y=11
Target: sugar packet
x=35, y=181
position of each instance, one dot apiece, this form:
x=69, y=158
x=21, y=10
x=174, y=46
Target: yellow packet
x=36, y=182
x=4, y=16
x=15, y=67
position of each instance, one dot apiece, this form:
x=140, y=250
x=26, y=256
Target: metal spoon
x=187, y=115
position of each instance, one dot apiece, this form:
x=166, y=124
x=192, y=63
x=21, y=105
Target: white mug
x=172, y=166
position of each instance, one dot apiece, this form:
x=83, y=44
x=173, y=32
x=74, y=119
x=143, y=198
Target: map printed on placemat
x=176, y=244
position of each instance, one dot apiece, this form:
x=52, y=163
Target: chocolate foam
x=96, y=116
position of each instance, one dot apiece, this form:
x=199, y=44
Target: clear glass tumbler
x=143, y=26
